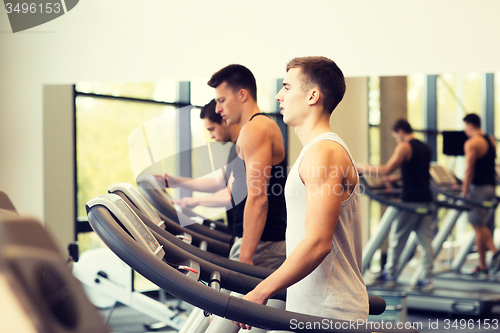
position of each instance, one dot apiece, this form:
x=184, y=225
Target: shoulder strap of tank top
x=258, y=114
x=488, y=140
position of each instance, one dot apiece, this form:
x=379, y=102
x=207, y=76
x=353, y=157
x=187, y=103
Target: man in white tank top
x=324, y=247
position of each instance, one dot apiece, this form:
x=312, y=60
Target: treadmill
x=446, y=297
x=219, y=245
x=139, y=205
x=134, y=199
x=445, y=183
x=172, y=270
x=161, y=200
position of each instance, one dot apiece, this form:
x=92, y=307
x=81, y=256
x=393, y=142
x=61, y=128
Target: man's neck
x=477, y=132
x=248, y=111
x=312, y=127
x=409, y=137
x=234, y=133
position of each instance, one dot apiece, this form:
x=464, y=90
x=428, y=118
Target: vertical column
x=184, y=167
x=488, y=99
x=59, y=156
x=393, y=106
x=430, y=113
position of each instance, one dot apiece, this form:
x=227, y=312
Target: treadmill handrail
x=376, y=303
x=175, y=255
x=416, y=208
x=255, y=271
x=206, y=298
x=456, y=197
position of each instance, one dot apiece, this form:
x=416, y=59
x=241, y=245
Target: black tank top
x=275, y=227
x=232, y=156
x=484, y=169
x=415, y=173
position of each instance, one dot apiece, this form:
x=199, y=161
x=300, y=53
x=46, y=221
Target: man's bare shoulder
x=326, y=153
x=260, y=128
x=403, y=148
x=473, y=142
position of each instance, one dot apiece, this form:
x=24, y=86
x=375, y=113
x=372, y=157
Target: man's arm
x=220, y=198
x=470, y=151
x=210, y=183
x=402, y=152
x=322, y=213
x=256, y=147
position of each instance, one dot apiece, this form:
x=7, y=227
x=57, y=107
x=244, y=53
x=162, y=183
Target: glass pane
x=104, y=127
x=88, y=241
x=374, y=150
x=457, y=95
x=164, y=90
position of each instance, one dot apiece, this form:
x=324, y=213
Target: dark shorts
x=267, y=254
x=481, y=216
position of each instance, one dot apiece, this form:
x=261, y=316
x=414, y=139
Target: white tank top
x=335, y=289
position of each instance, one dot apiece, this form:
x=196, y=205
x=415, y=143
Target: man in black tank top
x=414, y=157
x=479, y=184
x=259, y=173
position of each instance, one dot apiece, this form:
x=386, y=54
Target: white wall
x=150, y=40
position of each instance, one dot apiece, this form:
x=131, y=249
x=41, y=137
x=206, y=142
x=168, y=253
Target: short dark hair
x=403, y=125
x=208, y=111
x=324, y=73
x=236, y=77
x=473, y=119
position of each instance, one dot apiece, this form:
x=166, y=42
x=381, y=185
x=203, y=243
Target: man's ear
x=314, y=96
x=242, y=95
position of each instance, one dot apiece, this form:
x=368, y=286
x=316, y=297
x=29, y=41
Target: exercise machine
x=159, y=198
x=36, y=284
x=139, y=205
x=446, y=297
x=174, y=271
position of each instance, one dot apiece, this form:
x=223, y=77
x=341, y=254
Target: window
x=103, y=130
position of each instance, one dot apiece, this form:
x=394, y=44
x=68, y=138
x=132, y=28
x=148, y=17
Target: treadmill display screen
x=138, y=225
x=442, y=176
x=453, y=142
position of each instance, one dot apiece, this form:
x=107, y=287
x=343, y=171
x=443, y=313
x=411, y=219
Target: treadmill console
x=129, y=221
x=442, y=176
x=374, y=182
x=138, y=200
